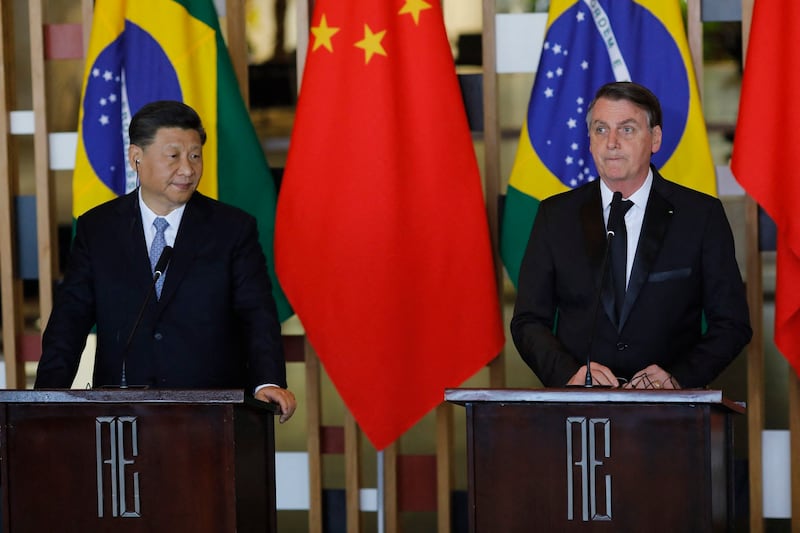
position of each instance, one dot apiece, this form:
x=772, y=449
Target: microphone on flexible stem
x=603, y=274
x=158, y=271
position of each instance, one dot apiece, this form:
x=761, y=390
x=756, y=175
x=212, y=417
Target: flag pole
x=381, y=493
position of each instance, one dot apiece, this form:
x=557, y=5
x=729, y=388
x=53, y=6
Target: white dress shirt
x=633, y=218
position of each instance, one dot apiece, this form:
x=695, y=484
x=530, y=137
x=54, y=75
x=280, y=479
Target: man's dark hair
x=638, y=95
x=163, y=114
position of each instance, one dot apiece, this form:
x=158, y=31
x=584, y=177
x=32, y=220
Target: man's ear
x=657, y=137
x=134, y=156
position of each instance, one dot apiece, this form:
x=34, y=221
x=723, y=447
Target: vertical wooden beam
x=314, y=448
x=444, y=466
x=305, y=10
x=313, y=386
x=45, y=219
x=87, y=12
x=755, y=367
x=10, y=284
x=794, y=447
x=352, y=473
x=390, y=494
x=237, y=44
x=755, y=350
x=491, y=176
x=694, y=34
x=747, y=20
x=314, y=426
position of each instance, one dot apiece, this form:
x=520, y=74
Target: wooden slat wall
x=755, y=363
x=755, y=387
x=491, y=172
x=10, y=284
x=45, y=189
x=15, y=340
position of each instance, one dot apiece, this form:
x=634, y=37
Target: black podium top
x=596, y=395
x=135, y=395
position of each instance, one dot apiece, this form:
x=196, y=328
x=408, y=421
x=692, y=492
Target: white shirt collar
x=148, y=216
x=639, y=198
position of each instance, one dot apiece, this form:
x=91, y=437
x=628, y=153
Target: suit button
x=158, y=336
x=621, y=346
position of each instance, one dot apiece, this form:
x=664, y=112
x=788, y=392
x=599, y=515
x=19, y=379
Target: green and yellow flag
x=589, y=43
x=146, y=50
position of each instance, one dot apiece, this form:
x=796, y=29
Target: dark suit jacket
x=215, y=325
x=684, y=268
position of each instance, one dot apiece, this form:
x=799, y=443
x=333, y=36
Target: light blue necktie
x=159, y=243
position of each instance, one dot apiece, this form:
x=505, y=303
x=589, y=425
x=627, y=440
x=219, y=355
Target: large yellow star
x=323, y=34
x=371, y=43
x=414, y=7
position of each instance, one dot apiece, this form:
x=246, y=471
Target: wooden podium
x=136, y=460
x=563, y=460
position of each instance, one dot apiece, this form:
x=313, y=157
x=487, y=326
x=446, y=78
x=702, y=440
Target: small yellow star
x=371, y=43
x=323, y=34
x=414, y=7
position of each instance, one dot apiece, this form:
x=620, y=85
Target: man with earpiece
x=206, y=316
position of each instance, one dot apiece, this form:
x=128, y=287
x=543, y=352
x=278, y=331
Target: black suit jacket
x=215, y=325
x=685, y=269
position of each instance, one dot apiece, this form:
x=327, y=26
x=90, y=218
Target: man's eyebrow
x=624, y=122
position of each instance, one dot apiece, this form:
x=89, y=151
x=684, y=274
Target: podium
x=136, y=460
x=564, y=460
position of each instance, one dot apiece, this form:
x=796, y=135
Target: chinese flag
x=763, y=158
x=382, y=244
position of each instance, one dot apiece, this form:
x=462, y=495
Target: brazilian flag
x=589, y=43
x=146, y=50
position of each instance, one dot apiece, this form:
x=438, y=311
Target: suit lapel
x=187, y=242
x=132, y=234
x=594, y=232
x=654, y=226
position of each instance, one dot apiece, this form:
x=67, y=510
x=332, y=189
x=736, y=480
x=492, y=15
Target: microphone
x=161, y=266
x=603, y=275
x=163, y=261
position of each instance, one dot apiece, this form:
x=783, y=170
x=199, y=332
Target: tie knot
x=161, y=224
x=618, y=209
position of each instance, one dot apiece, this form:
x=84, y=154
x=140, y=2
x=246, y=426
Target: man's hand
x=283, y=397
x=601, y=375
x=652, y=377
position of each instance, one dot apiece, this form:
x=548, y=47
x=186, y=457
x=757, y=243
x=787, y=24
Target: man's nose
x=611, y=141
x=186, y=166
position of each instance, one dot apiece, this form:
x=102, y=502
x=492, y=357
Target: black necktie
x=619, y=248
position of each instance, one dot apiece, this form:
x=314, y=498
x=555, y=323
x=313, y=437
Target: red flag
x=769, y=112
x=381, y=241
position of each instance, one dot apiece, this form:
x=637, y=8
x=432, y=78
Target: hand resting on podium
x=283, y=397
x=651, y=377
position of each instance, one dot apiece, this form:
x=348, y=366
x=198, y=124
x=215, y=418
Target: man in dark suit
x=678, y=269
x=213, y=322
